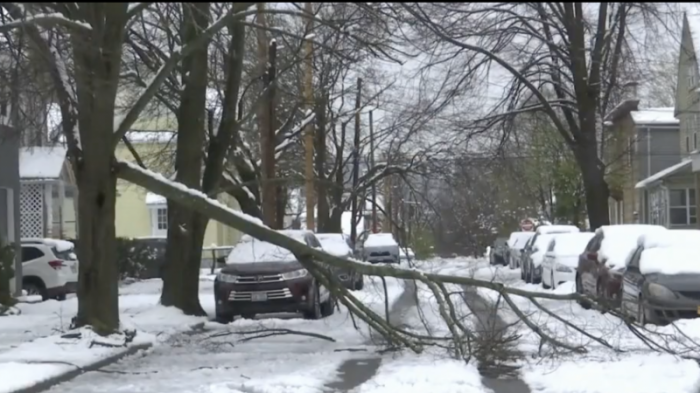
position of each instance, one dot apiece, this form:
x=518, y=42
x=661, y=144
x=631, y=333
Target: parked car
x=602, y=262
x=516, y=243
x=378, y=248
x=532, y=257
x=560, y=261
x=661, y=285
x=340, y=245
x=499, y=252
x=532, y=267
x=49, y=268
x=261, y=278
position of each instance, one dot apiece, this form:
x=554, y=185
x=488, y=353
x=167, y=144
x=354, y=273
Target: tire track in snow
x=354, y=372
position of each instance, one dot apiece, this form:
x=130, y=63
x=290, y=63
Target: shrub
x=139, y=258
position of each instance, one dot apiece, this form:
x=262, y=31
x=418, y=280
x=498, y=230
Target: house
x=47, y=199
x=140, y=213
x=638, y=143
x=671, y=192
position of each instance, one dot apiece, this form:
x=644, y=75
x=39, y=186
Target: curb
x=69, y=375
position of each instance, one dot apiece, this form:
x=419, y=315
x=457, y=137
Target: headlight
x=295, y=274
x=660, y=291
x=564, y=269
x=223, y=277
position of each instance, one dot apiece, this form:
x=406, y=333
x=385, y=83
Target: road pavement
x=496, y=349
x=354, y=372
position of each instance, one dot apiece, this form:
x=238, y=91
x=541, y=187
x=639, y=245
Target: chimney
x=629, y=91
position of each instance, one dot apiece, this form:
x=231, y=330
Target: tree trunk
x=594, y=184
x=320, y=148
x=98, y=294
x=186, y=228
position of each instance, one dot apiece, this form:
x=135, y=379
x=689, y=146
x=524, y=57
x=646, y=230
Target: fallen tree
x=316, y=261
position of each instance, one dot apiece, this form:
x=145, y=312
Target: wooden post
x=309, y=132
x=356, y=162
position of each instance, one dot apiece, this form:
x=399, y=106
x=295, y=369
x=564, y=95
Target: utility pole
x=356, y=162
x=388, y=203
x=371, y=166
x=309, y=132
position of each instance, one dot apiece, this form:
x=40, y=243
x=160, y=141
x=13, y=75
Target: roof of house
x=654, y=116
x=40, y=162
x=660, y=175
x=693, y=21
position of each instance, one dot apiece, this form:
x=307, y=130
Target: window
x=31, y=253
x=159, y=220
x=682, y=207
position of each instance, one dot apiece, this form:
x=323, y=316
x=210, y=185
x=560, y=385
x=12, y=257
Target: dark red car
x=602, y=263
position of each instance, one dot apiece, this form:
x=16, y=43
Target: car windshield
x=251, y=250
x=66, y=255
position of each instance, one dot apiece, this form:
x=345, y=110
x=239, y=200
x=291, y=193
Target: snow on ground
x=637, y=370
x=219, y=359
x=409, y=373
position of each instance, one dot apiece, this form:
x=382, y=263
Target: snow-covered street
x=287, y=354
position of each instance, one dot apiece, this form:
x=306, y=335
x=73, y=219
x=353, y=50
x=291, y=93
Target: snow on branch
x=45, y=19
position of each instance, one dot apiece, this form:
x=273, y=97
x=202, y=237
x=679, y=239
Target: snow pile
x=334, y=244
x=409, y=373
x=620, y=240
x=571, y=244
x=670, y=261
x=380, y=240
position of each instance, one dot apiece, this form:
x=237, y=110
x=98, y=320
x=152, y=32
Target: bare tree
x=573, y=52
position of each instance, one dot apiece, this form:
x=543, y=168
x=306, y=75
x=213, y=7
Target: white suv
x=49, y=268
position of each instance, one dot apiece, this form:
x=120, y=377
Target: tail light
x=56, y=264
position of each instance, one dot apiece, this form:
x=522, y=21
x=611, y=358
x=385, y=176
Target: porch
x=48, y=195
x=668, y=197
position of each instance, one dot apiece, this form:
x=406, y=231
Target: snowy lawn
x=637, y=370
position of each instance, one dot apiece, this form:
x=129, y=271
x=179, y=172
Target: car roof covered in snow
x=571, y=244
x=620, y=240
x=670, y=261
x=58, y=244
x=380, y=240
x=669, y=238
x=546, y=229
x=334, y=244
x=518, y=239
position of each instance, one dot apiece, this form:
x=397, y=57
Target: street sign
x=527, y=225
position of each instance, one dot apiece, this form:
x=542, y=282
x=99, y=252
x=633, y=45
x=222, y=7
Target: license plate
x=259, y=297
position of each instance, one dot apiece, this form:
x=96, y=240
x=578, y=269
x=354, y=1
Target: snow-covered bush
x=138, y=259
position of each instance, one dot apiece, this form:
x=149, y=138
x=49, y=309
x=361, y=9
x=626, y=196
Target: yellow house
x=143, y=214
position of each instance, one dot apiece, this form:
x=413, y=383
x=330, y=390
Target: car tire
x=360, y=283
x=528, y=276
x=314, y=311
x=35, y=287
x=579, y=290
x=522, y=273
x=642, y=316
x=551, y=280
x=545, y=286
x=224, y=318
x=327, y=307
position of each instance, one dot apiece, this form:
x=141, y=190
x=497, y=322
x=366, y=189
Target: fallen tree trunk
x=199, y=202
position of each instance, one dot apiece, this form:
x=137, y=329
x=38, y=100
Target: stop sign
x=526, y=225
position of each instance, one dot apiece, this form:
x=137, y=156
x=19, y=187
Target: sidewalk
x=37, y=351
